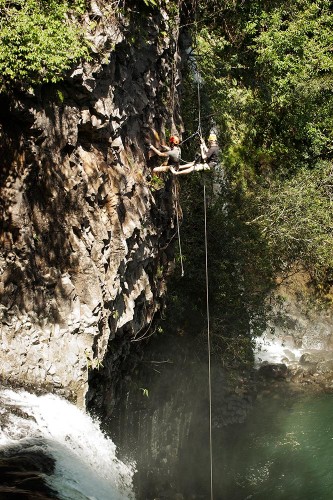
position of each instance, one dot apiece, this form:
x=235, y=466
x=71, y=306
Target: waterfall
x=86, y=466
x=276, y=349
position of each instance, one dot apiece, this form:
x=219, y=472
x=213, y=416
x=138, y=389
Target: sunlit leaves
x=268, y=71
x=295, y=45
x=39, y=40
x=295, y=219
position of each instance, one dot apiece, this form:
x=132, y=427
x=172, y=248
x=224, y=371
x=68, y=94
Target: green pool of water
x=283, y=451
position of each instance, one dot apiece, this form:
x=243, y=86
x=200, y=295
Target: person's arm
x=159, y=153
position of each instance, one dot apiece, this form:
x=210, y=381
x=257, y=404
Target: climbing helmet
x=174, y=140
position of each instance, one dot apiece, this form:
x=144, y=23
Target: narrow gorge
x=165, y=337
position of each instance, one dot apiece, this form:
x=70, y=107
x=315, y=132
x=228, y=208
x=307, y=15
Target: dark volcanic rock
x=86, y=244
x=275, y=371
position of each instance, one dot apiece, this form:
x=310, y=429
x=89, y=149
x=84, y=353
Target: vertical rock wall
x=86, y=241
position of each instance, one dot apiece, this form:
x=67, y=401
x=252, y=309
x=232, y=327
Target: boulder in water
x=274, y=370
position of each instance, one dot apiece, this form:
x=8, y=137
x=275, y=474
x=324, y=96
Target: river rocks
x=275, y=371
x=302, y=340
x=312, y=371
x=310, y=358
x=83, y=235
x=315, y=369
x=22, y=476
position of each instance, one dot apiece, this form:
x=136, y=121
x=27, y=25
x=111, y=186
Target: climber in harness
x=207, y=160
x=172, y=153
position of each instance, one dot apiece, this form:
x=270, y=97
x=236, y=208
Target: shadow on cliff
x=34, y=219
x=44, y=131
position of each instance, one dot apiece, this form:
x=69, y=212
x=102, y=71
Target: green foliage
x=79, y=5
x=145, y=392
x=61, y=96
x=268, y=70
x=115, y=315
x=294, y=46
x=39, y=40
x=150, y=3
x=91, y=362
x=240, y=270
x=268, y=73
x=156, y=182
x=295, y=219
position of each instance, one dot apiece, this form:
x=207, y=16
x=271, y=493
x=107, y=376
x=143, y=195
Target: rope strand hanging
x=198, y=76
x=178, y=232
x=199, y=105
x=198, y=132
x=208, y=349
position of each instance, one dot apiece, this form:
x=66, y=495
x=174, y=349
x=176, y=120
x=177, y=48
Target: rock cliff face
x=301, y=349
x=86, y=240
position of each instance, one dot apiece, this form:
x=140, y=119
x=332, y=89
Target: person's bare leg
x=201, y=166
x=182, y=172
x=186, y=165
x=162, y=168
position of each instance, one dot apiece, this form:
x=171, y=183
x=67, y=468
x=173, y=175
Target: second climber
x=208, y=159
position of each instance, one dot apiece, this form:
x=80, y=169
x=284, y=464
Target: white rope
x=178, y=232
x=209, y=352
x=199, y=107
x=207, y=304
x=180, y=246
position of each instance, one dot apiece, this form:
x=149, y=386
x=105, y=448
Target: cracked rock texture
x=86, y=242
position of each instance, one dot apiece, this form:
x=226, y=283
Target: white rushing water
x=274, y=349
x=86, y=466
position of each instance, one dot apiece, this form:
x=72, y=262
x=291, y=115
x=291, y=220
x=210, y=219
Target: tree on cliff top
x=39, y=40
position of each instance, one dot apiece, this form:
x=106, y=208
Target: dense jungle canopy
x=267, y=88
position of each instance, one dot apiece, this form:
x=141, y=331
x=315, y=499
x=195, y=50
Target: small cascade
x=85, y=462
x=275, y=349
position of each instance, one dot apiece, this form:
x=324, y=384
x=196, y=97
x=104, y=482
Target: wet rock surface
x=302, y=339
x=312, y=372
x=162, y=419
x=22, y=475
x=275, y=371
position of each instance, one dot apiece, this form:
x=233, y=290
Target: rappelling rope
x=207, y=295
x=198, y=131
x=190, y=137
x=178, y=232
x=199, y=106
x=209, y=350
